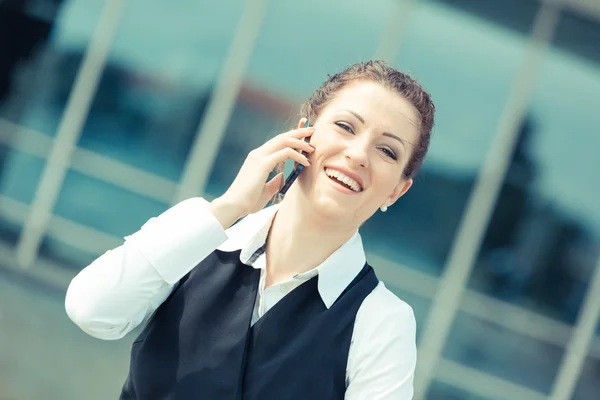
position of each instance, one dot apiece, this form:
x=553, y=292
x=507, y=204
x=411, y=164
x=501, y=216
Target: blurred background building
x=112, y=110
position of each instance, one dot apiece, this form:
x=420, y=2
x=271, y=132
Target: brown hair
x=381, y=73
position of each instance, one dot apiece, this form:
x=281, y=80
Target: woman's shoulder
x=383, y=305
x=384, y=338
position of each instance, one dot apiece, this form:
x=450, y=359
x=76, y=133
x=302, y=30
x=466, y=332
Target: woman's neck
x=300, y=239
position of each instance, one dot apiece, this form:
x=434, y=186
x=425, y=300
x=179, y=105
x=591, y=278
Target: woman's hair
x=381, y=73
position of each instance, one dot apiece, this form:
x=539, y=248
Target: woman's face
x=367, y=133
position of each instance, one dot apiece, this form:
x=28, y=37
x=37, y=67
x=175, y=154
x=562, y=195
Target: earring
x=383, y=208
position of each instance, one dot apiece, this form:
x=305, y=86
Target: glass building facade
x=111, y=111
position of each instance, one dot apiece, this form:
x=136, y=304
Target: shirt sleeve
x=117, y=291
x=383, y=353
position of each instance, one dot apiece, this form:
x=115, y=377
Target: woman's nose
x=357, y=153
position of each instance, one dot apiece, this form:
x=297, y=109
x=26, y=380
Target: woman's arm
x=114, y=294
x=383, y=352
x=117, y=291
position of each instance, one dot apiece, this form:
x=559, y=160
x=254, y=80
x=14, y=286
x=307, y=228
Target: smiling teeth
x=343, y=178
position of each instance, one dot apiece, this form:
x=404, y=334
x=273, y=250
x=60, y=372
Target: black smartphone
x=289, y=169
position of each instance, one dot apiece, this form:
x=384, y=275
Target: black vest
x=199, y=344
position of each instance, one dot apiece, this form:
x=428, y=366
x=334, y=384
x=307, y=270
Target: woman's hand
x=249, y=191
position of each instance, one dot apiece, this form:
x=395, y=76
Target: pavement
x=45, y=356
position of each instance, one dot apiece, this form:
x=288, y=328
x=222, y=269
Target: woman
x=281, y=305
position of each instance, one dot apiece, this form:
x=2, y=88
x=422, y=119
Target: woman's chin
x=331, y=202
x=331, y=207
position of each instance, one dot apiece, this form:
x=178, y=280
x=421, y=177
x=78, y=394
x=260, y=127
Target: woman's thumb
x=274, y=185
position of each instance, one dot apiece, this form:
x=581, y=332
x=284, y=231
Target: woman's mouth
x=343, y=181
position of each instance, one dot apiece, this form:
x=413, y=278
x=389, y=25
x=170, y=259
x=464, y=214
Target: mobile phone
x=289, y=165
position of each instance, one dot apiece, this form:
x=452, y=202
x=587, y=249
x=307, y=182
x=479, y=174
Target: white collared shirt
x=123, y=287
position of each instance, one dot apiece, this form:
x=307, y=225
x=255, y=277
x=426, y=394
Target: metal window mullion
x=389, y=45
x=580, y=342
x=69, y=130
x=211, y=130
x=481, y=203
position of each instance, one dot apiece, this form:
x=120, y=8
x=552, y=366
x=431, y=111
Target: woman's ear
x=400, y=189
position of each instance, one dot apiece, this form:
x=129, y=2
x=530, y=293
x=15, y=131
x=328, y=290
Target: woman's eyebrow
x=397, y=138
x=361, y=119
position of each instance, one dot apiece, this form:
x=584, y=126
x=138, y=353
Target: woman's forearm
x=113, y=295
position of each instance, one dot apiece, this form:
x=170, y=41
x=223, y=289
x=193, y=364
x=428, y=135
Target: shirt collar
x=334, y=274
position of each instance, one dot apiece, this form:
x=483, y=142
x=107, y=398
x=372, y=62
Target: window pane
x=301, y=42
x=588, y=385
x=442, y=391
x=105, y=207
x=497, y=351
x=20, y=173
x=543, y=239
x=113, y=211
x=513, y=14
x=67, y=255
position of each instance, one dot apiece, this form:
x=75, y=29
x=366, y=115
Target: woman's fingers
x=288, y=154
x=292, y=139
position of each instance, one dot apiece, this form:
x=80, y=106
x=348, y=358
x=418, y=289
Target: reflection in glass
x=588, y=385
x=543, y=240
x=490, y=348
x=19, y=175
x=157, y=82
x=64, y=254
x=301, y=42
x=103, y=206
x=31, y=48
x=442, y=391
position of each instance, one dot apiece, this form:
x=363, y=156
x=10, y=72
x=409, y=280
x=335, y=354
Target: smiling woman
x=282, y=305
x=417, y=108
x=368, y=132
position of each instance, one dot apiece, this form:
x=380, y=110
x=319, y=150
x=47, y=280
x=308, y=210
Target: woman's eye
x=345, y=126
x=389, y=153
